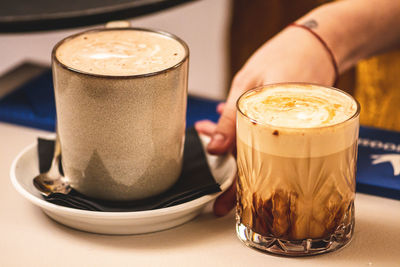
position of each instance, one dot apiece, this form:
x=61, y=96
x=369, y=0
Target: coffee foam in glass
x=311, y=121
x=296, y=156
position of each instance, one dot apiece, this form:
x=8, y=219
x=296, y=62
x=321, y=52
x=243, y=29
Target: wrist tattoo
x=311, y=24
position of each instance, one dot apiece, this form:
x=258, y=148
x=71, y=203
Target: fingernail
x=216, y=141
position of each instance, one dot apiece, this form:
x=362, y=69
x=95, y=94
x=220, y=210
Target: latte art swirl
x=120, y=52
x=298, y=107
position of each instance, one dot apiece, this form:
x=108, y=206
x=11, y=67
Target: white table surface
x=29, y=238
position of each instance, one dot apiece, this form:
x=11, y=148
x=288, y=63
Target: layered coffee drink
x=121, y=99
x=296, y=153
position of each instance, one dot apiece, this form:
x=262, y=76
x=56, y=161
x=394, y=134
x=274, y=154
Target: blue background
x=33, y=105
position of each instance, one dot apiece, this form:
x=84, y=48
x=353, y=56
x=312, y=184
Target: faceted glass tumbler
x=296, y=186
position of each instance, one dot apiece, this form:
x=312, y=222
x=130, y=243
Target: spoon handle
x=57, y=146
x=54, y=167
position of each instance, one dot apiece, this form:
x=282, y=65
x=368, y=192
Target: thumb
x=223, y=138
x=224, y=135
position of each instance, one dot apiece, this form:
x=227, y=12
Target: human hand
x=294, y=55
x=226, y=201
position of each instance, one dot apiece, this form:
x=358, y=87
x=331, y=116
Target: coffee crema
x=298, y=106
x=120, y=52
x=311, y=121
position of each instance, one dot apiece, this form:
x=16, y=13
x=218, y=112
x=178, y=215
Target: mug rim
x=55, y=60
x=351, y=118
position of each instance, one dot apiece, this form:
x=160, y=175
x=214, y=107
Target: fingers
x=220, y=108
x=223, y=137
x=226, y=201
x=208, y=127
x=205, y=127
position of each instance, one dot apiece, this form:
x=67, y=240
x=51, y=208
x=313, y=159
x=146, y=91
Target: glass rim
x=55, y=60
x=352, y=117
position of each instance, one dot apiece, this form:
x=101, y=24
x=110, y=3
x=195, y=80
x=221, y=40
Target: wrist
x=308, y=26
x=324, y=23
x=294, y=55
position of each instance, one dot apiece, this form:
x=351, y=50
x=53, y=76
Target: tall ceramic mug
x=121, y=97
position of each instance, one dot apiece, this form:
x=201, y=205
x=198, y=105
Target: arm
x=357, y=29
x=352, y=29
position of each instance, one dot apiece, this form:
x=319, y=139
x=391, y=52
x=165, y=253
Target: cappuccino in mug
x=121, y=108
x=296, y=152
x=120, y=52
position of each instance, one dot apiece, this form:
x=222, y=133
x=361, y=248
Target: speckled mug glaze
x=121, y=136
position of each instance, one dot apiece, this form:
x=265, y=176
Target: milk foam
x=120, y=52
x=299, y=106
x=296, y=120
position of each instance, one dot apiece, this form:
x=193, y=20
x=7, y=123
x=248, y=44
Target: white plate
x=25, y=167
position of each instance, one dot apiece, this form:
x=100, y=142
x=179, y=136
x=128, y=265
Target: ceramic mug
x=121, y=134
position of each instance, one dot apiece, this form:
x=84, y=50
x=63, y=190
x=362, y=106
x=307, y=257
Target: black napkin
x=195, y=181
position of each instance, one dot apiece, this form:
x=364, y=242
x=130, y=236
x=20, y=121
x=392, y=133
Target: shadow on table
x=201, y=229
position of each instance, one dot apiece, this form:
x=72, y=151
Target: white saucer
x=25, y=167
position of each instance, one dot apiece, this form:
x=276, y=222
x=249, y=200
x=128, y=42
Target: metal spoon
x=52, y=181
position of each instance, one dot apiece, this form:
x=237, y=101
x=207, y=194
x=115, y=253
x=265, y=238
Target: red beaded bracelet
x=332, y=57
